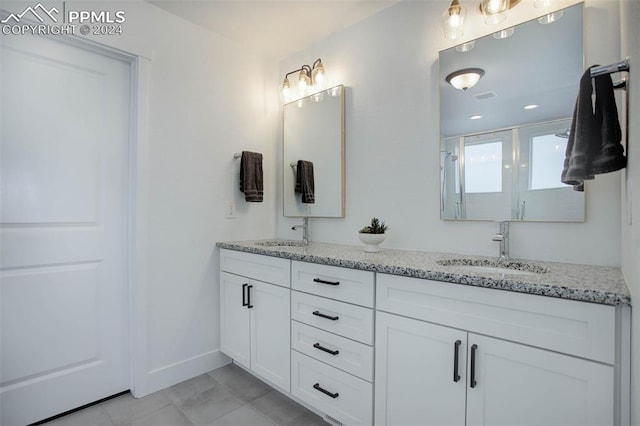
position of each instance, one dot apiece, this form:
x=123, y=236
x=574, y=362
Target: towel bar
x=611, y=68
x=237, y=155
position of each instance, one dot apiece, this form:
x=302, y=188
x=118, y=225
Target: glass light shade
x=466, y=47
x=286, y=90
x=317, y=74
x=502, y=34
x=543, y=4
x=465, y=78
x=551, y=17
x=494, y=11
x=453, y=21
x=494, y=6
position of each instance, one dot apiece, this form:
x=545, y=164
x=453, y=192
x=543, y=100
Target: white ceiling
x=275, y=28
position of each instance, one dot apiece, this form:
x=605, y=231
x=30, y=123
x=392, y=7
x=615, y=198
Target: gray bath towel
x=594, y=140
x=305, y=184
x=251, y=178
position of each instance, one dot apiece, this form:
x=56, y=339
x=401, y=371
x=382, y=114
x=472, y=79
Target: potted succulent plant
x=373, y=234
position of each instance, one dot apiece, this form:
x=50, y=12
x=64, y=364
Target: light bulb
x=493, y=6
x=493, y=11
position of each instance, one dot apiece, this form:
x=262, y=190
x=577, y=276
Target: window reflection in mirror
x=489, y=177
x=541, y=196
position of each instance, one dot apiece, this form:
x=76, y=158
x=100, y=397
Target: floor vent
x=333, y=421
x=485, y=95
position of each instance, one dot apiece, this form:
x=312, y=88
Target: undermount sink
x=510, y=267
x=279, y=243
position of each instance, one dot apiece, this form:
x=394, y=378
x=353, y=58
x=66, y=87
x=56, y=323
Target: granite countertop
x=587, y=283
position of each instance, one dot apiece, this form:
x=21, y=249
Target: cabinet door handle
x=456, y=350
x=318, y=280
x=322, y=348
x=244, y=294
x=320, y=314
x=249, y=305
x=472, y=379
x=326, y=392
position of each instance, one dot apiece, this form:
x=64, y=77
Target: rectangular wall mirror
x=503, y=139
x=314, y=132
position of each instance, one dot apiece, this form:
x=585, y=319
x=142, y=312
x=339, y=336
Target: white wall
x=206, y=101
x=389, y=65
x=630, y=16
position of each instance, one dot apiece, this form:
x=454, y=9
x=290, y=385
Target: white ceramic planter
x=371, y=241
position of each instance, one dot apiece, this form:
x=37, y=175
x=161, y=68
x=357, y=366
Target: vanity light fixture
x=531, y=106
x=310, y=78
x=465, y=78
x=475, y=117
x=453, y=20
x=493, y=11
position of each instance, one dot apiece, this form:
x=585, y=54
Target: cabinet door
x=415, y=373
x=234, y=318
x=270, y=333
x=521, y=385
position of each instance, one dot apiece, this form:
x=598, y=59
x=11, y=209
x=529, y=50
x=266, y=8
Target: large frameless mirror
x=503, y=139
x=314, y=135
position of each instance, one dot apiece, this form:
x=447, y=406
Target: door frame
x=137, y=214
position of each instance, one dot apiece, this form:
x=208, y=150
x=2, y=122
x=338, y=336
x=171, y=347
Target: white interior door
x=63, y=225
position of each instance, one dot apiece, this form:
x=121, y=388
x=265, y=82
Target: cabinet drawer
x=269, y=269
x=351, y=401
x=345, y=354
x=354, y=322
x=577, y=328
x=347, y=285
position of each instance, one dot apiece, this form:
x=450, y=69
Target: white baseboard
x=169, y=375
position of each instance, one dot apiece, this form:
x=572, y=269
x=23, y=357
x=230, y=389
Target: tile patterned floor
x=228, y=396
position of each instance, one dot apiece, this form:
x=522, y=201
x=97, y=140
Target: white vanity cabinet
x=254, y=315
x=467, y=356
x=332, y=340
x=367, y=348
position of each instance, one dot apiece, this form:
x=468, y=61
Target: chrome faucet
x=305, y=230
x=503, y=237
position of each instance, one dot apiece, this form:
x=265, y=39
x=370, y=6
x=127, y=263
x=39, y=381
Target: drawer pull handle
x=249, y=305
x=472, y=381
x=456, y=349
x=318, y=280
x=322, y=348
x=326, y=392
x=244, y=294
x=320, y=314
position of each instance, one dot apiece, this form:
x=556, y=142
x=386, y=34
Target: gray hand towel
x=583, y=141
x=305, y=184
x=594, y=140
x=611, y=154
x=251, y=178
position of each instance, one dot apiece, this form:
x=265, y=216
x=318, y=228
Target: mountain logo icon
x=34, y=11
